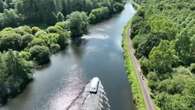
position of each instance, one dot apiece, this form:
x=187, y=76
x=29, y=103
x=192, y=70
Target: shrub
x=78, y=23
x=192, y=68
x=54, y=48
x=99, y=14
x=40, y=54
x=10, y=40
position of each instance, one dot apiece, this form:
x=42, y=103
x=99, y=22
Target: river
x=99, y=53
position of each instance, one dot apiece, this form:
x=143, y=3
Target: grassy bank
x=130, y=69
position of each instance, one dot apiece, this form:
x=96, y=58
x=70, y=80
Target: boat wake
x=90, y=101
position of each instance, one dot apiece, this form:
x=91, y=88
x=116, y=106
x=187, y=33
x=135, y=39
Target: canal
x=99, y=53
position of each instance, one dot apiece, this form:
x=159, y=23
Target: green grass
x=138, y=97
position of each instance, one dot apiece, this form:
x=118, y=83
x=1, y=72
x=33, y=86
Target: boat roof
x=94, y=82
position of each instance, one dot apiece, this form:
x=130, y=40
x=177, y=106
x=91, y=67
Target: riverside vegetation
x=47, y=27
x=164, y=38
x=138, y=98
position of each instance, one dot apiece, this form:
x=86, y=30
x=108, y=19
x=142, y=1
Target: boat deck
x=90, y=101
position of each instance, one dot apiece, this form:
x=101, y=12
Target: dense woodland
x=32, y=30
x=163, y=33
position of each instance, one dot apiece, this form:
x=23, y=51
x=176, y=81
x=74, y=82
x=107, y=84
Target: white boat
x=94, y=85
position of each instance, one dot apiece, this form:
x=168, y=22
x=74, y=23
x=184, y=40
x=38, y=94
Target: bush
x=37, y=41
x=78, y=23
x=192, y=68
x=40, y=54
x=15, y=73
x=63, y=25
x=22, y=30
x=118, y=7
x=54, y=48
x=10, y=40
x=9, y=18
x=138, y=39
x=35, y=30
x=60, y=17
x=26, y=39
x=63, y=39
x=52, y=29
x=24, y=54
x=99, y=14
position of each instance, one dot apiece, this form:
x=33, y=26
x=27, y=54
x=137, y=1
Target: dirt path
x=142, y=79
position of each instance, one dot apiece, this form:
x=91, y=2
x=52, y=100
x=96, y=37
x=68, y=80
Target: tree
x=153, y=80
x=162, y=24
x=10, y=40
x=60, y=17
x=17, y=66
x=192, y=68
x=150, y=41
x=3, y=74
x=192, y=49
x=1, y=6
x=99, y=14
x=163, y=57
x=25, y=40
x=63, y=39
x=37, y=10
x=172, y=102
x=78, y=23
x=40, y=54
x=183, y=49
x=117, y=7
x=9, y=18
x=14, y=75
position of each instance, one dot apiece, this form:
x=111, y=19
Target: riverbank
x=130, y=69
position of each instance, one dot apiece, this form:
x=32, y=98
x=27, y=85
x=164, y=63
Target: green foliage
x=25, y=39
x=51, y=11
x=15, y=72
x=172, y=102
x=60, y=17
x=183, y=48
x=138, y=97
x=161, y=24
x=1, y=6
x=117, y=7
x=98, y=15
x=40, y=54
x=192, y=68
x=164, y=38
x=78, y=23
x=37, y=10
x=163, y=57
x=55, y=48
x=9, y=40
x=9, y=18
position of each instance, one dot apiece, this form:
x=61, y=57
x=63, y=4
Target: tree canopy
x=163, y=35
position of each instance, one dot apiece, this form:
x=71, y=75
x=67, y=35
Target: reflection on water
x=98, y=54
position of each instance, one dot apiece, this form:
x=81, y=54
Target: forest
x=32, y=30
x=163, y=34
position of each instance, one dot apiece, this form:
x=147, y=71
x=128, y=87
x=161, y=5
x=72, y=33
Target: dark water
x=98, y=54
